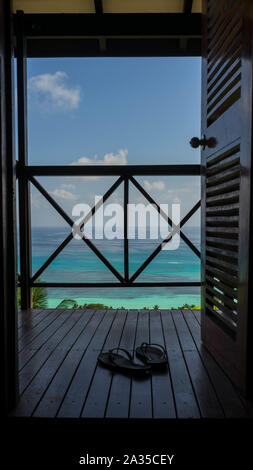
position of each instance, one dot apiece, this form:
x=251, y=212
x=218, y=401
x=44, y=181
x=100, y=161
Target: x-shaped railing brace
x=123, y=280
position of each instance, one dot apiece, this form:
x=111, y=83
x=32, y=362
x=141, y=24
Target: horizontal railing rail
x=126, y=175
x=115, y=284
x=109, y=170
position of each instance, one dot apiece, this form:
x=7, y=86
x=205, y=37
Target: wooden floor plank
x=39, y=358
x=55, y=393
x=163, y=401
x=96, y=400
x=31, y=335
x=30, y=350
x=29, y=324
x=119, y=399
x=74, y=399
x=35, y=391
x=27, y=316
x=197, y=314
x=207, y=398
x=228, y=396
x=186, y=405
x=141, y=392
x=25, y=313
x=59, y=375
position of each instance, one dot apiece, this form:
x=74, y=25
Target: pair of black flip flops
x=153, y=355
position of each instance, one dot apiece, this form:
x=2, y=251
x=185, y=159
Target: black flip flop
x=152, y=354
x=105, y=360
x=113, y=360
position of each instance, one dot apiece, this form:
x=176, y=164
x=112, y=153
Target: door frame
x=8, y=305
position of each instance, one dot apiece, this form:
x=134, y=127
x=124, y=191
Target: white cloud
x=63, y=194
x=35, y=200
x=68, y=186
x=53, y=90
x=109, y=159
x=157, y=185
x=119, y=158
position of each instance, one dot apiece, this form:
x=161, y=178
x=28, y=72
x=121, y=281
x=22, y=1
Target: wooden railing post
x=24, y=189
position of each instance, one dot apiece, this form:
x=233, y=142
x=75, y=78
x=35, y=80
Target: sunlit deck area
x=59, y=375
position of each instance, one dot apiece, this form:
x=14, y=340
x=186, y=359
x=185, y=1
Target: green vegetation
x=39, y=297
x=70, y=303
x=40, y=300
x=67, y=303
x=186, y=307
x=96, y=306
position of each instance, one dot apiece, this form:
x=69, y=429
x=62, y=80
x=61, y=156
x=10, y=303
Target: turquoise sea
x=77, y=263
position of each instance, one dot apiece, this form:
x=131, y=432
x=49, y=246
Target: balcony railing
x=126, y=174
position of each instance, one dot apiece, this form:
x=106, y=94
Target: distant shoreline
x=135, y=303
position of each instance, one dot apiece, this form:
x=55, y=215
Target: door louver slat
x=225, y=24
x=222, y=226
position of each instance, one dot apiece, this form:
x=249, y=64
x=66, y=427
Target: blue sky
x=112, y=110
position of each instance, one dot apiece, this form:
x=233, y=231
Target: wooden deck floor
x=59, y=375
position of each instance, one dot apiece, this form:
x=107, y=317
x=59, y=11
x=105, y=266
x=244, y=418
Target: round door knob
x=195, y=142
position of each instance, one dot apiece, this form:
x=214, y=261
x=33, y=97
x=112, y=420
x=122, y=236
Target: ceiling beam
x=119, y=35
x=78, y=47
x=111, y=25
x=98, y=7
x=188, y=6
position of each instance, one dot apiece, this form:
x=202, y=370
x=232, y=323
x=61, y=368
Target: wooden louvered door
x=226, y=168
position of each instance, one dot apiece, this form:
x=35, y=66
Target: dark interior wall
x=8, y=310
